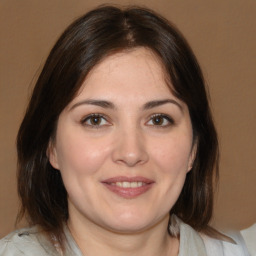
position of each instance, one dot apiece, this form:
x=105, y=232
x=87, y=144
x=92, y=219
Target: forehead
x=138, y=71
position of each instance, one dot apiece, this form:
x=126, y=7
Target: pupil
x=96, y=120
x=158, y=120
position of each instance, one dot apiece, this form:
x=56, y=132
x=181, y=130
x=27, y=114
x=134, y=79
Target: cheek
x=80, y=155
x=173, y=156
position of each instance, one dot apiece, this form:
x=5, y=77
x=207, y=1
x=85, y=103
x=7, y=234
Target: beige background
x=223, y=36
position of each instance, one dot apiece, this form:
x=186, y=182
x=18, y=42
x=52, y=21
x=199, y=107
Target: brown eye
x=95, y=120
x=160, y=120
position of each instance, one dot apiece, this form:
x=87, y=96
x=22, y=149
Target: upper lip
x=128, y=179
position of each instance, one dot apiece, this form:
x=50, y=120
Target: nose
x=130, y=148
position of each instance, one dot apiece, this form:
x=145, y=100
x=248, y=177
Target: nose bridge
x=130, y=147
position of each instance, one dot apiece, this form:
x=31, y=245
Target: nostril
x=130, y=158
x=131, y=149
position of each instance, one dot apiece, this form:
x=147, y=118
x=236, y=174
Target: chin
x=127, y=228
x=131, y=223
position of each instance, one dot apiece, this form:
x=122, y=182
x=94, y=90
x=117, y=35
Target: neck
x=95, y=240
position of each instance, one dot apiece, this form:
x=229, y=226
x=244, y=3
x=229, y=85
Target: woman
x=117, y=152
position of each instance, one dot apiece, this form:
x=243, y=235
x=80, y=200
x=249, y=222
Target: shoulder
x=226, y=248
x=23, y=242
x=195, y=243
x=249, y=236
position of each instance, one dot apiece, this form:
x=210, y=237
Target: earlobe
x=52, y=155
x=192, y=157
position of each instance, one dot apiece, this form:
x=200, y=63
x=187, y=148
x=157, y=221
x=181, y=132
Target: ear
x=52, y=155
x=192, y=156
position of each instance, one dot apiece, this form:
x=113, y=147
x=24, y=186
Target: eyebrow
x=157, y=103
x=100, y=103
x=110, y=105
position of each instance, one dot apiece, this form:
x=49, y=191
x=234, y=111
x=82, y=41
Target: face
x=123, y=145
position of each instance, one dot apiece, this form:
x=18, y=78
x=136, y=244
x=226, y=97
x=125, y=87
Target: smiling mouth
x=128, y=187
x=126, y=184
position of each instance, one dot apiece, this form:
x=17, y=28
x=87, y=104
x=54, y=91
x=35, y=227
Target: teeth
x=126, y=184
x=134, y=184
x=119, y=184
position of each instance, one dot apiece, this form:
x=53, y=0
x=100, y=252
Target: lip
x=130, y=192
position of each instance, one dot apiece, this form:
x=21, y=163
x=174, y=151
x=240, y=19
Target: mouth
x=128, y=187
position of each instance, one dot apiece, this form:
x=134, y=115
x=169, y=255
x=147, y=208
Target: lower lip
x=128, y=193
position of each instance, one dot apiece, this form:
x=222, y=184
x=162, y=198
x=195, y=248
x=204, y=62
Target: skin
x=127, y=139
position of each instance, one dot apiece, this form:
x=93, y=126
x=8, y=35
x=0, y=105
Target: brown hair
x=83, y=44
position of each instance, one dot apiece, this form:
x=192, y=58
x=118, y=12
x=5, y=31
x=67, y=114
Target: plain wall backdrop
x=223, y=37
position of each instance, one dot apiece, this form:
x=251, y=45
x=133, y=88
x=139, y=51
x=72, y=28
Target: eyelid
x=97, y=115
x=169, y=119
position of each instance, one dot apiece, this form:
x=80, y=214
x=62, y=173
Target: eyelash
x=162, y=116
x=102, y=117
x=90, y=117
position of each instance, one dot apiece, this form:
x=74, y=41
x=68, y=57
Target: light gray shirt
x=249, y=236
x=31, y=242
